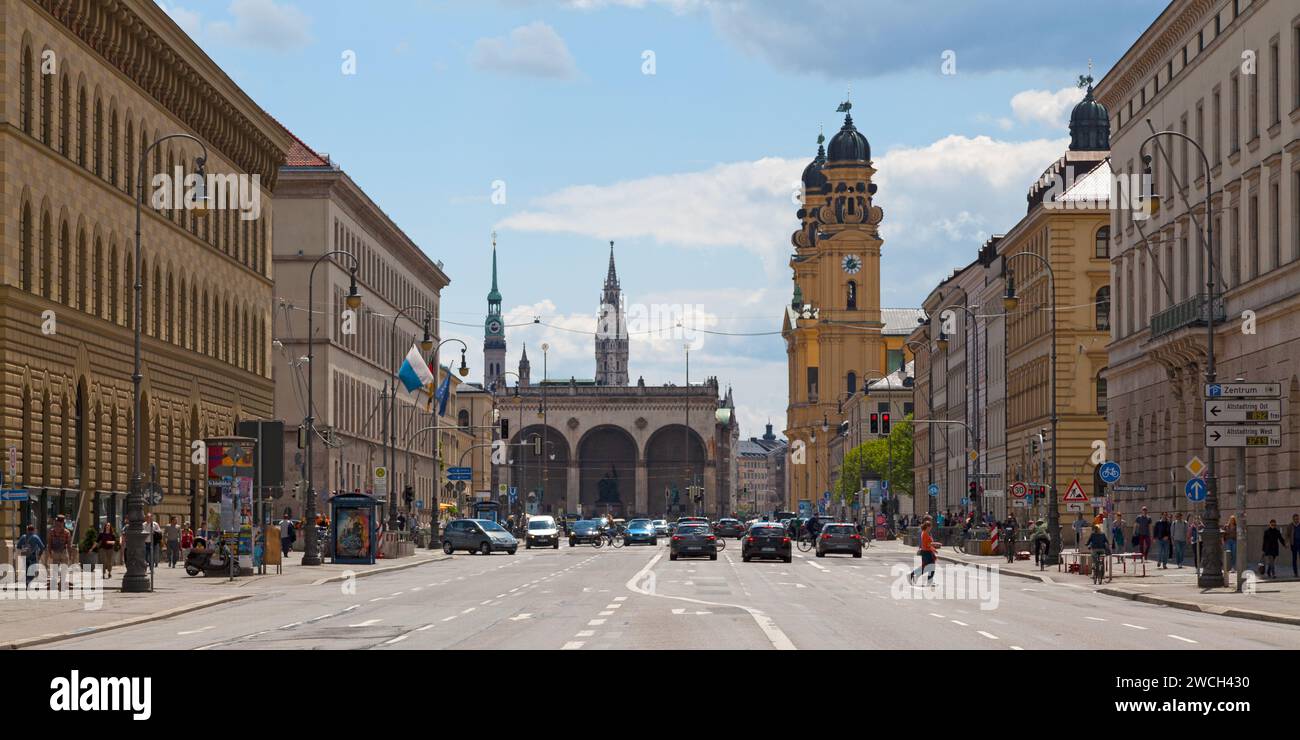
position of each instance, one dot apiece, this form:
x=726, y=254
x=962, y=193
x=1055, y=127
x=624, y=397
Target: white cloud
x=676, y=6
x=534, y=50
x=1046, y=107
x=252, y=23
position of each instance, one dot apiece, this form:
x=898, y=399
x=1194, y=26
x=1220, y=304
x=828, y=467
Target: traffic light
x=884, y=425
x=973, y=491
x=875, y=423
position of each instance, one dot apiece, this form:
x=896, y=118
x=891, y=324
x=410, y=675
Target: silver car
x=478, y=536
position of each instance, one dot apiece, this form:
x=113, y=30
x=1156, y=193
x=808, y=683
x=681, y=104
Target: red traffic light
x=884, y=424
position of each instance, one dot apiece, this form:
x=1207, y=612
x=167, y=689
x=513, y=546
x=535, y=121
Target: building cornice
x=1178, y=21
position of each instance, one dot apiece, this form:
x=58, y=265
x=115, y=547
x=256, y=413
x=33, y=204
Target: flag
x=443, y=392
x=414, y=373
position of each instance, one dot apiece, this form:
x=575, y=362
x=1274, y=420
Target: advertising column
x=229, y=509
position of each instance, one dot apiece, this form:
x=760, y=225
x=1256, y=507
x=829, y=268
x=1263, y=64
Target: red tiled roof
x=301, y=155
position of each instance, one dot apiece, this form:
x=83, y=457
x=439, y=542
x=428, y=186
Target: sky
x=678, y=130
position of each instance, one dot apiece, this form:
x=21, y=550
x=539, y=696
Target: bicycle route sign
x=1109, y=472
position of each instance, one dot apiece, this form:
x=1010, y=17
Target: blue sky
x=690, y=169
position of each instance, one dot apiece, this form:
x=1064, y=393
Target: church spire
x=611, y=279
x=494, y=296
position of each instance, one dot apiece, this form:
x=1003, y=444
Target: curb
x=1223, y=611
x=378, y=571
x=130, y=622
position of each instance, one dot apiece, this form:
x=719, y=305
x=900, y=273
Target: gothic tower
x=494, y=333
x=525, y=369
x=611, y=331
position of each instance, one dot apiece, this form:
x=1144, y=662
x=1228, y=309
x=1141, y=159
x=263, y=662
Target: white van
x=541, y=532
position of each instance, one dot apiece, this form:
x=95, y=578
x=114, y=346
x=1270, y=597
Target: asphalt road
x=635, y=598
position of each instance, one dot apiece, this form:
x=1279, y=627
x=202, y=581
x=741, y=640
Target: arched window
x=1103, y=243
x=94, y=290
x=206, y=335
x=64, y=267
x=81, y=126
x=157, y=301
x=1100, y=386
x=181, y=331
x=25, y=91
x=25, y=265
x=852, y=383
x=462, y=419
x=47, y=256
x=1103, y=308
x=97, y=156
x=128, y=289
x=168, y=331
x=194, y=318
x=47, y=106
x=113, y=297
x=851, y=300
x=65, y=113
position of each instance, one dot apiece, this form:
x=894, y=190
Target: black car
x=730, y=528
x=584, y=532
x=839, y=537
x=693, y=541
x=767, y=541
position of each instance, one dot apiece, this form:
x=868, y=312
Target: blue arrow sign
x=965, y=501
x=1195, y=489
x=460, y=473
x=1109, y=472
x=13, y=494
x=934, y=489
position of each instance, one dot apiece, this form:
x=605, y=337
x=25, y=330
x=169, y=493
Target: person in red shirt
x=929, y=553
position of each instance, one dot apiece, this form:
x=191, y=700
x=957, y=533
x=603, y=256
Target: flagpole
x=437, y=413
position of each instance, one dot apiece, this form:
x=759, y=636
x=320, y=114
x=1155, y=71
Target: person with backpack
x=60, y=552
x=31, y=548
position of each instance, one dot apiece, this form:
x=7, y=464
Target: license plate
x=695, y=547
x=769, y=549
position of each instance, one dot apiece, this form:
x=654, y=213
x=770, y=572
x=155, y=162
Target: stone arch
x=674, y=458
x=538, y=475
x=608, y=452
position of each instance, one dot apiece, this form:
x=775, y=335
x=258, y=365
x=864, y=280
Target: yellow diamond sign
x=1196, y=467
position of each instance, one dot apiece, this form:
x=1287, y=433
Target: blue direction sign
x=934, y=489
x=965, y=501
x=884, y=485
x=1195, y=489
x=1109, y=472
x=460, y=473
x=13, y=494
x=514, y=494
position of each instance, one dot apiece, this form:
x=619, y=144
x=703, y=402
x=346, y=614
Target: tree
x=871, y=460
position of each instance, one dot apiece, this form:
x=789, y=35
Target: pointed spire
x=494, y=296
x=523, y=360
x=611, y=279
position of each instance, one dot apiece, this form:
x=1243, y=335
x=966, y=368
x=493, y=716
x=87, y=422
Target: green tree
x=873, y=458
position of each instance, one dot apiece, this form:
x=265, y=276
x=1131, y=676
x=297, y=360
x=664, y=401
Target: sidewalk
x=1273, y=600
x=26, y=622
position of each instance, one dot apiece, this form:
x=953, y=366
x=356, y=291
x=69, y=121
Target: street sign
x=934, y=489
x=1249, y=410
x=1195, y=490
x=501, y=490
x=1195, y=466
x=153, y=494
x=1097, y=502
x=381, y=482
x=965, y=501
x=1243, y=390
x=1019, y=490
x=974, y=455
x=419, y=504
x=995, y=494
x=514, y=494
x=884, y=485
x=1075, y=492
x=460, y=486
x=1074, y=506
x=1129, y=488
x=1109, y=472
x=460, y=474
x=1019, y=504
x=13, y=494
x=1243, y=435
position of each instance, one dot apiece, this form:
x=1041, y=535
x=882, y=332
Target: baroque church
x=602, y=445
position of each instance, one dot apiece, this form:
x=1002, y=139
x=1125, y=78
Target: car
x=477, y=536
x=730, y=528
x=584, y=532
x=767, y=540
x=640, y=530
x=690, y=519
x=661, y=527
x=542, y=531
x=839, y=537
x=693, y=541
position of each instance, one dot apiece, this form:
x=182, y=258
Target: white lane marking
x=448, y=619
x=940, y=616
x=606, y=613
x=366, y=623
x=417, y=588
x=323, y=616
x=467, y=611
x=350, y=608
x=1016, y=647
x=1184, y=639
x=425, y=627
x=620, y=598
x=585, y=633
x=381, y=598
x=501, y=596
x=773, y=633
x=816, y=565
x=520, y=617
x=195, y=632
x=573, y=645
x=1095, y=619
x=613, y=606
x=595, y=623
x=291, y=625
x=796, y=585
x=397, y=593
x=991, y=637
x=485, y=603
x=959, y=624
x=399, y=638
x=1134, y=626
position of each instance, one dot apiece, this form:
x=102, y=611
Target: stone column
x=711, y=488
x=642, y=490
x=574, y=486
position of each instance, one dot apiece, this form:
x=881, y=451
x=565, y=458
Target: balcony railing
x=1192, y=312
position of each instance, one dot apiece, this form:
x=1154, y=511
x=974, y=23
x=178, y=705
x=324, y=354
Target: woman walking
x=1273, y=542
x=1230, y=542
x=172, y=536
x=106, y=546
x=1117, y=532
x=929, y=553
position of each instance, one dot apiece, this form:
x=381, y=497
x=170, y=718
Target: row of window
x=101, y=283
x=389, y=282
x=116, y=161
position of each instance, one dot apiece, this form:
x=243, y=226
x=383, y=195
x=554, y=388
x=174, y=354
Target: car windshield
x=540, y=524
x=638, y=523
x=839, y=529
x=491, y=526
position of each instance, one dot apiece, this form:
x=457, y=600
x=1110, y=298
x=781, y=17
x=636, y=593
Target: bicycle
x=1099, y=567
x=617, y=540
x=806, y=542
x=721, y=543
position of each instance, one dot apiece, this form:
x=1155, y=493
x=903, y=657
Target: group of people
x=59, y=548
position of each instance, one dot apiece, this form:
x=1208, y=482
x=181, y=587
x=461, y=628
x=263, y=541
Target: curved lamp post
x=390, y=453
x=463, y=371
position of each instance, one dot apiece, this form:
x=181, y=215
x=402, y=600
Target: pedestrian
x=1178, y=533
x=1295, y=548
x=1162, y=537
x=153, y=539
x=31, y=548
x=106, y=545
x=172, y=538
x=1194, y=536
x=288, y=533
x=929, y=553
x=1230, y=542
x=187, y=538
x=1078, y=526
x=1117, y=532
x=1142, y=533
x=60, y=549
x=1273, y=540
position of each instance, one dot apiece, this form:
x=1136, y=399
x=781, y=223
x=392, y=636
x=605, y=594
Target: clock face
x=851, y=264
x=494, y=326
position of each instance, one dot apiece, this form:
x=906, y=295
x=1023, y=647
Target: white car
x=542, y=532
x=661, y=527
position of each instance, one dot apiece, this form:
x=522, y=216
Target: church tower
x=611, y=331
x=832, y=325
x=525, y=369
x=494, y=332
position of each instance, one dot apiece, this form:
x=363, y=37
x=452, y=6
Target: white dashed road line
x=986, y=634
x=1184, y=639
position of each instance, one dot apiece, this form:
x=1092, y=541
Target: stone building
x=88, y=88
x=761, y=474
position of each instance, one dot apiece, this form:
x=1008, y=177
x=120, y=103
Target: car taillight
x=751, y=540
x=785, y=540
x=712, y=538
x=857, y=536
x=826, y=537
x=676, y=538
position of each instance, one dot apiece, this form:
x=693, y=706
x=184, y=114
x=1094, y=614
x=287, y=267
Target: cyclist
x=1041, y=541
x=813, y=526
x=1100, y=548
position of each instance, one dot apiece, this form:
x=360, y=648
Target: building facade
x=1226, y=74
x=761, y=474
x=89, y=88
x=323, y=210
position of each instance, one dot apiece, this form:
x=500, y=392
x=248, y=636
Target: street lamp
x=390, y=453
x=311, y=550
x=463, y=371
x=546, y=430
x=137, y=578
x=1011, y=301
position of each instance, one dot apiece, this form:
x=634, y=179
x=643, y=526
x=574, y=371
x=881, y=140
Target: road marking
x=425, y=627
x=195, y=632
x=991, y=637
x=467, y=611
x=399, y=638
x=613, y=606
x=290, y=625
x=1134, y=626
x=585, y=633
x=323, y=616
x=381, y=598
x=501, y=596
x=485, y=602
x=366, y=623
x=1016, y=647
x=417, y=588
x=940, y=616
x=796, y=585
x=520, y=617
x=1184, y=639
x=595, y=623
x=1095, y=619
x=816, y=565
x=573, y=645
x=448, y=619
x=959, y=624
x=397, y=593
x=606, y=613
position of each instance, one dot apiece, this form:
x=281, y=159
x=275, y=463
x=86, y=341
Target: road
x=636, y=598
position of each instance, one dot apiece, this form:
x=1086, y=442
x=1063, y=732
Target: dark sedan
x=838, y=537
x=693, y=541
x=730, y=528
x=640, y=531
x=767, y=541
x=584, y=532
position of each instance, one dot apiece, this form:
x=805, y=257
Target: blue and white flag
x=415, y=372
x=444, y=391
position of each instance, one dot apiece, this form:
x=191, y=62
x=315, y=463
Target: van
x=541, y=532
